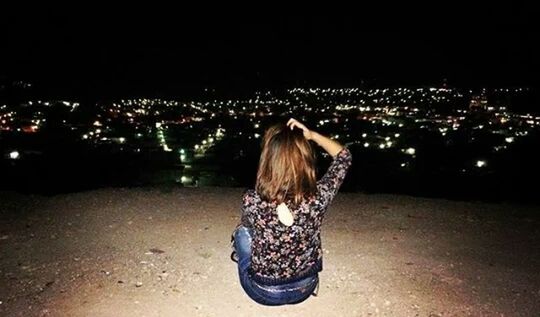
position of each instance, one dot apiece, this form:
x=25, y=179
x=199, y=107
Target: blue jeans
x=271, y=295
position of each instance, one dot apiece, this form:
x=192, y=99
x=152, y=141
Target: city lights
x=382, y=119
x=410, y=151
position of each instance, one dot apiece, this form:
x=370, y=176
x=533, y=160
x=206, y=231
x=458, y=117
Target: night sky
x=151, y=52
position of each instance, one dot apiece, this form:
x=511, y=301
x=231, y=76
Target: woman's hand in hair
x=329, y=145
x=308, y=134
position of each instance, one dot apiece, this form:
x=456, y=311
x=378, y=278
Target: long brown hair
x=287, y=167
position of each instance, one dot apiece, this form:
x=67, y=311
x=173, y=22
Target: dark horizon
x=109, y=55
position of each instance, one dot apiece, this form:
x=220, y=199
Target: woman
x=277, y=244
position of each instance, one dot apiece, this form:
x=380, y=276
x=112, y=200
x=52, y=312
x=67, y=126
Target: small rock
x=162, y=276
x=4, y=237
x=138, y=284
x=156, y=251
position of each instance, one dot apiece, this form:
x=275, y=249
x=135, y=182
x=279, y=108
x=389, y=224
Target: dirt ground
x=156, y=252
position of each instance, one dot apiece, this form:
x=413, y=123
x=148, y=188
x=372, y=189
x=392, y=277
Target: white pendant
x=285, y=215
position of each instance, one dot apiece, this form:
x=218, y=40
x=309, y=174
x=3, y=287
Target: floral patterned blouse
x=282, y=252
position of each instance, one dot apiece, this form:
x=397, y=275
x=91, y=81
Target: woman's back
x=283, y=253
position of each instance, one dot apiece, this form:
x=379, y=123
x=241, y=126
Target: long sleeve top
x=280, y=253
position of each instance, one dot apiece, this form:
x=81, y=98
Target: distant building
x=478, y=102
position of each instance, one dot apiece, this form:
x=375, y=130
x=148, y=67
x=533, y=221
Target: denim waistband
x=312, y=270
